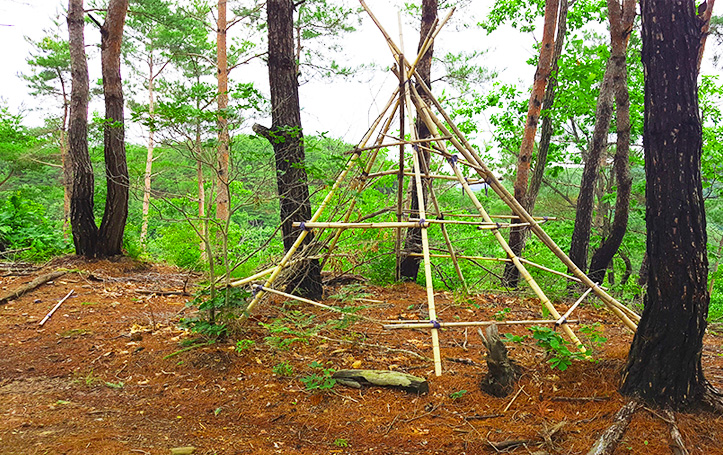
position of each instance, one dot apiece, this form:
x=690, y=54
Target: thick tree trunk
x=113, y=224
x=583, y=218
x=409, y=265
x=544, y=67
x=621, y=22
x=286, y=138
x=664, y=364
x=223, y=197
x=85, y=232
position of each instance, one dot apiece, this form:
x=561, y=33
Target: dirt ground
x=97, y=379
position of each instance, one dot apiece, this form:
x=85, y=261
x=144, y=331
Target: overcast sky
x=343, y=108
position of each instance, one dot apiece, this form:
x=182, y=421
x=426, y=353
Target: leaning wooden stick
x=440, y=324
x=57, y=305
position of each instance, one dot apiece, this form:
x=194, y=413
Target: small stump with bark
x=502, y=372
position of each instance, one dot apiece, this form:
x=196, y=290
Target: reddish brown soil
x=94, y=380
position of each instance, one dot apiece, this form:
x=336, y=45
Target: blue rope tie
x=452, y=160
x=435, y=324
x=545, y=219
x=422, y=222
x=302, y=226
x=498, y=225
x=258, y=288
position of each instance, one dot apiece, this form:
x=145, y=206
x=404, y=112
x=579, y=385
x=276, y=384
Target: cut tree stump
x=42, y=279
x=502, y=372
x=382, y=378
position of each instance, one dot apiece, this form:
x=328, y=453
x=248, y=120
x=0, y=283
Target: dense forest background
x=171, y=61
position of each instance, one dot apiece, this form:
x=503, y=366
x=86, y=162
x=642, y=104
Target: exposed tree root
x=677, y=446
x=712, y=400
x=610, y=438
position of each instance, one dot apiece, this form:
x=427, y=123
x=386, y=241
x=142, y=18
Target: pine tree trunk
x=82, y=220
x=409, y=265
x=286, y=138
x=664, y=365
x=583, y=217
x=621, y=22
x=546, y=129
x=544, y=67
x=223, y=198
x=113, y=224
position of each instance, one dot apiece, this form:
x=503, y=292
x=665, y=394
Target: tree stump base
x=502, y=372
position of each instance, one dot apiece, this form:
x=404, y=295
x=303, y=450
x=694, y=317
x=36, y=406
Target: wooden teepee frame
x=444, y=133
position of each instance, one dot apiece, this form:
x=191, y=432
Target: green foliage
x=502, y=314
x=242, y=345
x=340, y=442
x=283, y=369
x=457, y=395
x=294, y=327
x=560, y=356
x=320, y=380
x=24, y=225
x=215, y=311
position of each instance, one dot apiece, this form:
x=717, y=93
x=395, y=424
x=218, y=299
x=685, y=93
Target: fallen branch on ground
x=42, y=279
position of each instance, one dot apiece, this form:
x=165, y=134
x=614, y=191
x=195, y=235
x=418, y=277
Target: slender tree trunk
x=409, y=265
x=85, y=232
x=621, y=23
x=585, y=200
x=544, y=68
x=116, y=169
x=149, y=154
x=546, y=129
x=664, y=365
x=223, y=197
x=705, y=14
x=65, y=159
x=286, y=138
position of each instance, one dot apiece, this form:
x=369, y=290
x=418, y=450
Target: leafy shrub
x=321, y=381
x=25, y=225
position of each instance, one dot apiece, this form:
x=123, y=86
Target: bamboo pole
x=377, y=225
x=251, y=278
x=340, y=178
x=258, y=288
x=471, y=155
x=430, y=325
x=57, y=305
x=352, y=203
x=464, y=147
x=431, y=176
x=503, y=243
x=400, y=170
x=442, y=222
x=425, y=243
x=572, y=308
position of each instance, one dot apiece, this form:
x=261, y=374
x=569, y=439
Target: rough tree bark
x=546, y=129
x=110, y=236
x=82, y=221
x=409, y=265
x=544, y=66
x=583, y=217
x=285, y=136
x=621, y=22
x=223, y=197
x=664, y=365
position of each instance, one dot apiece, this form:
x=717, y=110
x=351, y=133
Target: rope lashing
x=545, y=219
x=422, y=222
x=452, y=160
x=498, y=225
x=257, y=288
x=302, y=226
x=435, y=324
